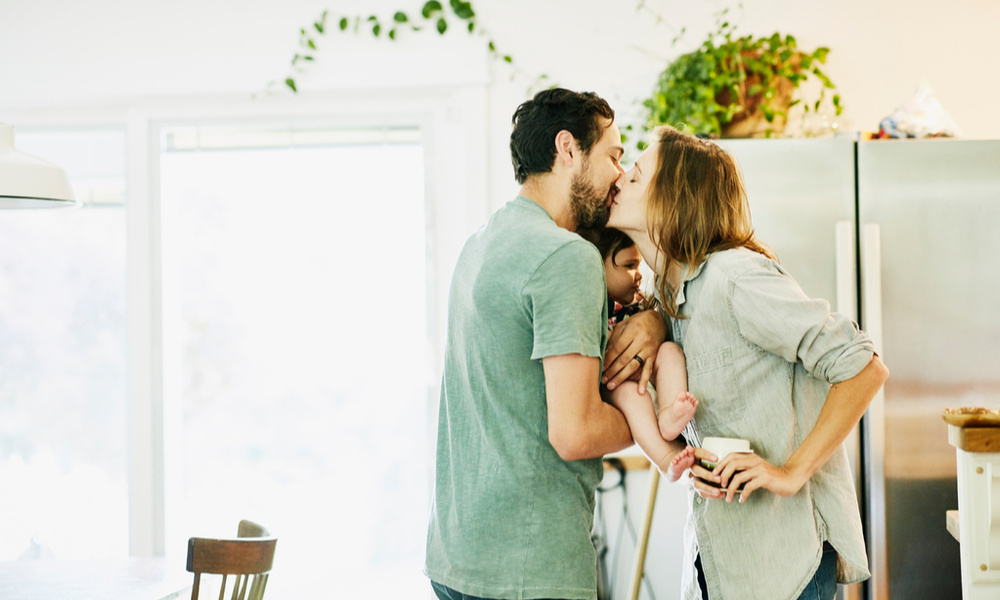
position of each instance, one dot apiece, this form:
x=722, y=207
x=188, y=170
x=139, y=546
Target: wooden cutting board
x=975, y=439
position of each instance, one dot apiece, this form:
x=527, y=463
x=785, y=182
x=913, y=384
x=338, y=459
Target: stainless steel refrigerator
x=902, y=236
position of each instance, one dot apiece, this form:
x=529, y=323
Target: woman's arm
x=845, y=404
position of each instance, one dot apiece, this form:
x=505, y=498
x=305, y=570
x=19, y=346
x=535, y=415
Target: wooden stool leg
x=640, y=548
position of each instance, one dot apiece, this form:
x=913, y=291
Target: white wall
x=66, y=53
x=880, y=51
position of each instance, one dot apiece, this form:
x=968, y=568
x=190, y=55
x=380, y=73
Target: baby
x=621, y=271
x=621, y=268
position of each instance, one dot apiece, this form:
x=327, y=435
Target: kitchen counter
x=978, y=515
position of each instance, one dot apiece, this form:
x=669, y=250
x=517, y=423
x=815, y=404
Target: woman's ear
x=566, y=148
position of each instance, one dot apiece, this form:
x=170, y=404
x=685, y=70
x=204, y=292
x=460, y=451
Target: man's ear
x=567, y=148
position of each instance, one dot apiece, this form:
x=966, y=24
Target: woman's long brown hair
x=695, y=205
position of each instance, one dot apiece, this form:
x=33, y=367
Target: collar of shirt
x=680, y=291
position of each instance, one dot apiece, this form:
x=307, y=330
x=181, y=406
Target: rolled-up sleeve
x=773, y=312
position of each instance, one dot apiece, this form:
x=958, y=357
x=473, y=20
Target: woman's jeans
x=822, y=586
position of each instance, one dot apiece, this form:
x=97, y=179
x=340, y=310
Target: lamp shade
x=29, y=182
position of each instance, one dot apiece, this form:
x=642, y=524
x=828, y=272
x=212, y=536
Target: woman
x=767, y=364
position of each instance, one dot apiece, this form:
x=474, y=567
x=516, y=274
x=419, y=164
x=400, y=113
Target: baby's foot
x=675, y=417
x=680, y=463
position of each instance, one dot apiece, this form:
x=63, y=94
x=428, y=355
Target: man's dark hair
x=537, y=121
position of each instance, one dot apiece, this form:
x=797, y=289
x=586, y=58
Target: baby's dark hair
x=609, y=241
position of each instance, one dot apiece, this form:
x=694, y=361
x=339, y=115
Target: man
x=522, y=425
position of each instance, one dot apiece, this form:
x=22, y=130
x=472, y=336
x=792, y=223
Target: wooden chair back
x=248, y=558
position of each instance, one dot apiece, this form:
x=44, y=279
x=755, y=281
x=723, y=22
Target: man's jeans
x=446, y=593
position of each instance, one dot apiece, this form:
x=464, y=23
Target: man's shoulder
x=526, y=230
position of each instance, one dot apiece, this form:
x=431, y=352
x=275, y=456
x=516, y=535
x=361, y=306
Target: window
x=63, y=359
x=269, y=303
x=295, y=338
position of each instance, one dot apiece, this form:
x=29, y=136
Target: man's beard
x=588, y=205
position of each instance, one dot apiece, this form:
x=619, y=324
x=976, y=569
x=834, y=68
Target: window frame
x=453, y=129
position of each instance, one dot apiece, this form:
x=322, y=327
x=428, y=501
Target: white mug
x=720, y=447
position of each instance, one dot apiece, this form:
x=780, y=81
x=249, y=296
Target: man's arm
x=581, y=424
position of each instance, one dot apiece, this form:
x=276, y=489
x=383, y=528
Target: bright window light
x=63, y=370
x=295, y=331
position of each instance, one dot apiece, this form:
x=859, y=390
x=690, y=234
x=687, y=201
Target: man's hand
x=637, y=336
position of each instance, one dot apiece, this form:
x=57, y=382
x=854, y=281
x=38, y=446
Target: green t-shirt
x=510, y=518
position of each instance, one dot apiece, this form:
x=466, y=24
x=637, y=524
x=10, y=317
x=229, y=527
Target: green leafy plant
x=737, y=86
x=433, y=16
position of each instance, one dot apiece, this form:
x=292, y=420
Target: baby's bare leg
x=680, y=463
x=641, y=418
x=677, y=405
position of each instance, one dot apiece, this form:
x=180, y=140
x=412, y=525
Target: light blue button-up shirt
x=761, y=357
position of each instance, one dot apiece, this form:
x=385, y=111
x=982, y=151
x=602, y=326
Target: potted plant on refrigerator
x=737, y=86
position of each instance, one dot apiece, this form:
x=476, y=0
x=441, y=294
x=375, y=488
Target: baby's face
x=622, y=273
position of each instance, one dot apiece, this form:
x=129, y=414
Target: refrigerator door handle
x=847, y=275
x=845, y=263
x=874, y=422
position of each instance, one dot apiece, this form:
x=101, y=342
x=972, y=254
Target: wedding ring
x=641, y=362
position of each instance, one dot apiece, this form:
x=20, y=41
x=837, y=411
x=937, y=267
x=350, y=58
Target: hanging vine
x=724, y=81
x=434, y=16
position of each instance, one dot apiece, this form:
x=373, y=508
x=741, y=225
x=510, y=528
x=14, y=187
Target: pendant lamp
x=29, y=182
